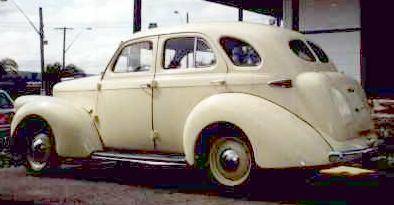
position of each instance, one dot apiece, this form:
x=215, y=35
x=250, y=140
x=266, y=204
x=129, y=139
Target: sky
x=111, y=23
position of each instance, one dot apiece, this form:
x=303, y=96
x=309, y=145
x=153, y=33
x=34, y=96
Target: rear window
x=5, y=102
x=301, y=50
x=240, y=52
x=319, y=52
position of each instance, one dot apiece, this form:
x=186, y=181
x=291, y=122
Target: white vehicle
x=226, y=97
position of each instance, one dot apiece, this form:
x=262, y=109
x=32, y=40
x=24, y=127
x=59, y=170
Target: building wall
x=335, y=26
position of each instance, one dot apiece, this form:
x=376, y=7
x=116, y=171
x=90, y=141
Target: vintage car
x=6, y=113
x=225, y=97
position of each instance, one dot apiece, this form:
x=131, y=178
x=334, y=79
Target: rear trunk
x=336, y=106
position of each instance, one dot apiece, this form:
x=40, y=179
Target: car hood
x=82, y=84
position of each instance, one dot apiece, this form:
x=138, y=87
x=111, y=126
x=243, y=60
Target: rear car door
x=189, y=69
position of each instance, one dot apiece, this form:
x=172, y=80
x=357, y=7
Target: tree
x=8, y=65
x=72, y=70
x=10, y=80
x=52, y=75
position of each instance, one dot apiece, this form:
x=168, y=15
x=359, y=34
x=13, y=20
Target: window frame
x=190, y=69
x=242, y=67
x=115, y=62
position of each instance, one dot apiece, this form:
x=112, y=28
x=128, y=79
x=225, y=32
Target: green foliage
x=8, y=65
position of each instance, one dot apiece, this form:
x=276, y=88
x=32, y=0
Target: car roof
x=219, y=28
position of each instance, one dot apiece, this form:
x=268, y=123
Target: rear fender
x=279, y=138
x=73, y=128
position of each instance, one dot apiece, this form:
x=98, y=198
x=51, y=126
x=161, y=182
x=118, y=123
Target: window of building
x=301, y=50
x=240, y=53
x=136, y=57
x=188, y=52
x=319, y=52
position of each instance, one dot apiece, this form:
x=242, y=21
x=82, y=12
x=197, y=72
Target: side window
x=136, y=57
x=204, y=54
x=319, y=52
x=240, y=53
x=301, y=50
x=188, y=52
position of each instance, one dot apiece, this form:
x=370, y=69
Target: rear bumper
x=354, y=156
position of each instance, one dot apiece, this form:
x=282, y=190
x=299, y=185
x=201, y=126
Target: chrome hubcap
x=40, y=151
x=229, y=160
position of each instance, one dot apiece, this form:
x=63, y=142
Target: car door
x=189, y=69
x=124, y=106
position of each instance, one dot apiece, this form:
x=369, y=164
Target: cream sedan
x=225, y=97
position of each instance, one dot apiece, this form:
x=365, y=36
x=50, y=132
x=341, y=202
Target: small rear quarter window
x=300, y=49
x=240, y=52
x=319, y=52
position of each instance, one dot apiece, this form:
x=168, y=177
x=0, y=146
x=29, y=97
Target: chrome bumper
x=353, y=155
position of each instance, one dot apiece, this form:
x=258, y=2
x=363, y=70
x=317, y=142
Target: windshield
x=5, y=102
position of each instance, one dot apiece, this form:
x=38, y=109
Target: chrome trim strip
x=151, y=159
x=155, y=163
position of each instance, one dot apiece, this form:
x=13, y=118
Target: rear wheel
x=230, y=161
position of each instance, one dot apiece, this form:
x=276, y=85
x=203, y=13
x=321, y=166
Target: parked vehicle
x=6, y=113
x=226, y=97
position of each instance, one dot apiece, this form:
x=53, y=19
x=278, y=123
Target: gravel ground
x=82, y=188
x=104, y=184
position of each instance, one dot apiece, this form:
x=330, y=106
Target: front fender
x=74, y=131
x=279, y=138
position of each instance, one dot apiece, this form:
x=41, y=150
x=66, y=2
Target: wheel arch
x=213, y=130
x=74, y=132
x=19, y=142
x=279, y=139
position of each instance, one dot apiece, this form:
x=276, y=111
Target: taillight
x=5, y=118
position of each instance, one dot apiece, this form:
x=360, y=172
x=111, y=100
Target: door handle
x=151, y=85
x=146, y=86
x=218, y=82
x=99, y=86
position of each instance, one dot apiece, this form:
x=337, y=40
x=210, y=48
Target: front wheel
x=230, y=161
x=40, y=153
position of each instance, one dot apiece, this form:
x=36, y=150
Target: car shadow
x=274, y=186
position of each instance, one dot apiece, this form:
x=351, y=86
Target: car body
x=255, y=95
x=6, y=113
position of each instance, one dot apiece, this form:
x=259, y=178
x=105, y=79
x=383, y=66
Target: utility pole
x=137, y=16
x=64, y=44
x=40, y=32
x=187, y=16
x=241, y=11
x=43, y=71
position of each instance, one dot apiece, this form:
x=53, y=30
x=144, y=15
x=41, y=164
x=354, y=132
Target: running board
x=147, y=159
